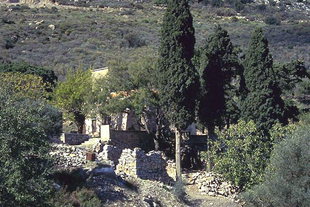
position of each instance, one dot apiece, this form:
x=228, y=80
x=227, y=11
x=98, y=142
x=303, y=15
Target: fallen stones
x=211, y=184
x=68, y=156
x=52, y=27
x=98, y=147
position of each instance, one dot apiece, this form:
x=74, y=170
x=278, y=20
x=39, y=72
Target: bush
x=287, y=181
x=48, y=76
x=272, y=21
x=240, y=154
x=160, y=2
x=71, y=179
x=24, y=160
x=80, y=198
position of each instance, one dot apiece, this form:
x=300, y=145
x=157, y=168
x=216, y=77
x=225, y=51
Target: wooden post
x=178, y=137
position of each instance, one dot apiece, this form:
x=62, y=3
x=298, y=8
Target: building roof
x=100, y=72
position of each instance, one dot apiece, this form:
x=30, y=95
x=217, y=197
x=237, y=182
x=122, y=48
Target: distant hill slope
x=62, y=37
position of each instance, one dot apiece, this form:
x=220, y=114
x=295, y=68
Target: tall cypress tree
x=178, y=79
x=219, y=65
x=262, y=102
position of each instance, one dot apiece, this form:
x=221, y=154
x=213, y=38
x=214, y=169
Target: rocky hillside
x=68, y=34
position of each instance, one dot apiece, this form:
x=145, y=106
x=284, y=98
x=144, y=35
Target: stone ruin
x=110, y=152
x=150, y=166
x=73, y=138
x=135, y=163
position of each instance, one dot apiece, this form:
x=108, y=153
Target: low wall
x=73, y=138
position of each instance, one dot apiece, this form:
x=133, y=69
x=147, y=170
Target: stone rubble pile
x=68, y=156
x=212, y=184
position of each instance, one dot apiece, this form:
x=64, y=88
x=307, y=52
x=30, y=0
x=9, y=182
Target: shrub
x=70, y=179
x=80, y=198
x=134, y=40
x=240, y=154
x=217, y=3
x=160, y=2
x=287, y=181
x=272, y=20
x=48, y=76
x=24, y=147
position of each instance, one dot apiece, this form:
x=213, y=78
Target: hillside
x=78, y=34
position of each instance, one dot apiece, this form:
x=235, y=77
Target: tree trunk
x=158, y=129
x=79, y=121
x=211, y=136
x=178, y=137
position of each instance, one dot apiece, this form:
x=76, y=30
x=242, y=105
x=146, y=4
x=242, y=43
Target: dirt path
x=199, y=200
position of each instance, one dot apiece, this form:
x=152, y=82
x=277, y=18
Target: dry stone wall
x=131, y=139
x=73, y=138
x=150, y=166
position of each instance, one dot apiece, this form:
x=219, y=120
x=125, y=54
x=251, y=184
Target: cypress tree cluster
x=262, y=102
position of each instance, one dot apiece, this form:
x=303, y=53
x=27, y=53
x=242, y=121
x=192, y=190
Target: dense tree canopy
x=178, y=79
x=287, y=181
x=219, y=65
x=26, y=85
x=25, y=126
x=48, y=76
x=263, y=103
x=73, y=95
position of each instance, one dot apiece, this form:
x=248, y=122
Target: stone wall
x=150, y=166
x=111, y=153
x=127, y=139
x=131, y=139
x=73, y=138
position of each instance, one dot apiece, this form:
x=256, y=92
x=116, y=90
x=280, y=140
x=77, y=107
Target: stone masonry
x=73, y=138
x=136, y=163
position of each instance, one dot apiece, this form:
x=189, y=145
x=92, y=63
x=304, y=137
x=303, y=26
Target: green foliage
x=287, y=181
x=279, y=132
x=263, y=103
x=73, y=95
x=48, y=76
x=178, y=79
x=26, y=85
x=160, y=2
x=272, y=20
x=24, y=145
x=81, y=197
x=128, y=84
x=71, y=179
x=219, y=65
x=290, y=74
x=241, y=153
